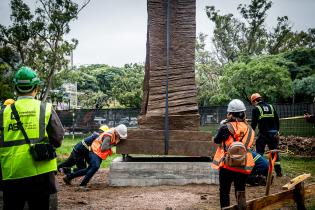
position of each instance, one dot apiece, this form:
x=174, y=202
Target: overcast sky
x=113, y=32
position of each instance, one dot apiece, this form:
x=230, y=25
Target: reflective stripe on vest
x=16, y=160
x=257, y=157
x=240, y=131
x=262, y=114
x=97, y=144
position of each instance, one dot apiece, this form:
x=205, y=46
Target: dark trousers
x=94, y=164
x=74, y=159
x=35, y=191
x=16, y=200
x=273, y=143
x=226, y=177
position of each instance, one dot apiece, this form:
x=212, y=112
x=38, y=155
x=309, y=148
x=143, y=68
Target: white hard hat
x=236, y=105
x=122, y=131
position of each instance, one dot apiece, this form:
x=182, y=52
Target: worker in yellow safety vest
x=233, y=158
x=100, y=150
x=265, y=116
x=26, y=123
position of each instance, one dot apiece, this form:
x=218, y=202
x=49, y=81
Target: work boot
x=261, y=181
x=278, y=170
x=82, y=188
x=66, y=180
x=241, y=200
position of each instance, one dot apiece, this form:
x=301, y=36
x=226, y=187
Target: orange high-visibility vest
x=97, y=144
x=240, y=131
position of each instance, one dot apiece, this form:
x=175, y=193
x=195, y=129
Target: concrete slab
x=162, y=171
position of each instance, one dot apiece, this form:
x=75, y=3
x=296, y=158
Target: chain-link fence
x=82, y=121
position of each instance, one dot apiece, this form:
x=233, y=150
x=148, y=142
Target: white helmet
x=122, y=131
x=236, y=105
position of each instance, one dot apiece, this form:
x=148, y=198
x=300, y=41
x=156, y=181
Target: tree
x=39, y=37
x=9, y=60
x=263, y=74
x=249, y=36
x=127, y=88
x=207, y=73
x=305, y=88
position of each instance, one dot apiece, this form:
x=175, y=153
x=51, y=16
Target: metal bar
x=166, y=118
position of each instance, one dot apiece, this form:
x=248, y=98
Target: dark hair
x=25, y=88
x=238, y=116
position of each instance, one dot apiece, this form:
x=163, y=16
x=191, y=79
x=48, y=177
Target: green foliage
x=39, y=38
x=303, y=62
x=305, y=88
x=261, y=74
x=8, y=61
x=249, y=36
x=100, y=86
x=127, y=88
x=207, y=74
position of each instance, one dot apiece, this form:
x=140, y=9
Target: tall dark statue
x=169, y=74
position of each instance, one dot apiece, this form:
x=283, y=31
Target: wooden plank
x=295, y=181
x=176, y=122
x=157, y=135
x=275, y=201
x=186, y=148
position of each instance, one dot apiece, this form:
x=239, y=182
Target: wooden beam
x=295, y=181
x=277, y=200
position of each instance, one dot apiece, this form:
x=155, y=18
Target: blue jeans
x=94, y=165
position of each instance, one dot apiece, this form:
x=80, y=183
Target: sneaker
x=67, y=180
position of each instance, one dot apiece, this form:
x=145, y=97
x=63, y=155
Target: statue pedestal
x=181, y=142
x=150, y=171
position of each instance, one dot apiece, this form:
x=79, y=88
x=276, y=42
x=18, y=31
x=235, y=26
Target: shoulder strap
x=19, y=123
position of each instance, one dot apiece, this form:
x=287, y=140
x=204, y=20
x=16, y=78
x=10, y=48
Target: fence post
x=73, y=124
x=299, y=196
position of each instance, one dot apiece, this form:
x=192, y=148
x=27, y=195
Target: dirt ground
x=101, y=196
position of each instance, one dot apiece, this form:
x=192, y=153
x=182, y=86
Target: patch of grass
x=294, y=166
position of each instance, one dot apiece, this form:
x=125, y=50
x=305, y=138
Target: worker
x=100, y=149
x=25, y=179
x=259, y=173
x=265, y=116
x=80, y=153
x=7, y=102
x=309, y=117
x=233, y=131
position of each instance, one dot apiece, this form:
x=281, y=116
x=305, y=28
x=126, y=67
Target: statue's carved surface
x=184, y=135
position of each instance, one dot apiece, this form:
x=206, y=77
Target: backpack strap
x=19, y=123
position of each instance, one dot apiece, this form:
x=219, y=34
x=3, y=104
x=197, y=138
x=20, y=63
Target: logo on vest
x=13, y=127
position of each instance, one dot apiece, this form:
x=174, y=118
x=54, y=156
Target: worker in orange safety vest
x=233, y=158
x=100, y=150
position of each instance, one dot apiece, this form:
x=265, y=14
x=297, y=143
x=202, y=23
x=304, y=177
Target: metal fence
x=81, y=121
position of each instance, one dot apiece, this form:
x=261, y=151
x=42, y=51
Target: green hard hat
x=26, y=78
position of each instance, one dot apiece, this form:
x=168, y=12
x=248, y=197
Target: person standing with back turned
x=265, y=116
x=234, y=131
x=26, y=179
